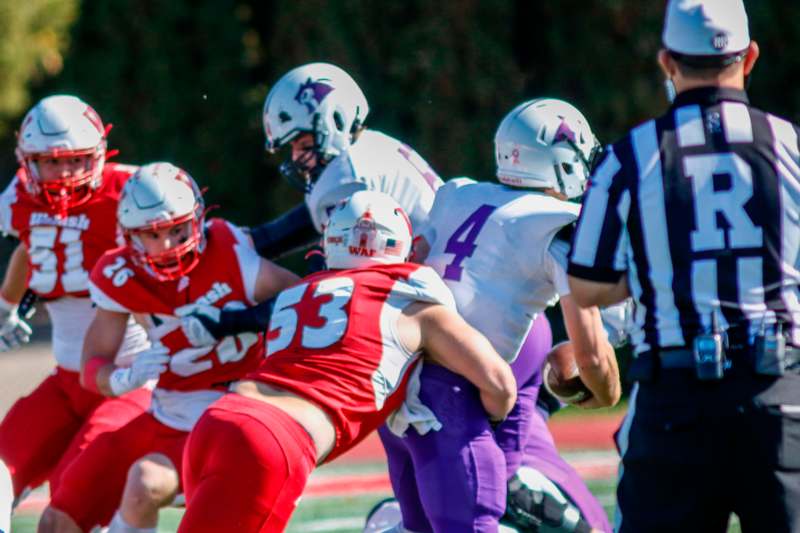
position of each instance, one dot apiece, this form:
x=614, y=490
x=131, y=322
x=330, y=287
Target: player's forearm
x=499, y=393
x=294, y=230
x=592, y=293
x=253, y=319
x=96, y=375
x=594, y=356
x=101, y=344
x=451, y=342
x=96, y=371
x=599, y=372
x=14, y=280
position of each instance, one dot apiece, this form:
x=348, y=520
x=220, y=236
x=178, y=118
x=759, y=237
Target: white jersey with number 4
x=495, y=247
x=376, y=162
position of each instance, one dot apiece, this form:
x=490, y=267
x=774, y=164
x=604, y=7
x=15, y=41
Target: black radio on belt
x=709, y=353
x=770, y=351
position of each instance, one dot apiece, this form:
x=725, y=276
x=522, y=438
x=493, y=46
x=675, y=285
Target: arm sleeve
x=104, y=301
x=249, y=262
x=253, y=319
x=7, y=200
x=600, y=242
x=291, y=231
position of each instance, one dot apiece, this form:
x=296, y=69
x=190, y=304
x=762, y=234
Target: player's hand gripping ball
x=561, y=376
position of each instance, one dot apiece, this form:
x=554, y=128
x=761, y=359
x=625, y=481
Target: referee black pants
x=694, y=452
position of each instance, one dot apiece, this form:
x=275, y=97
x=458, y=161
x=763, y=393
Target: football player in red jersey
x=171, y=259
x=62, y=206
x=342, y=347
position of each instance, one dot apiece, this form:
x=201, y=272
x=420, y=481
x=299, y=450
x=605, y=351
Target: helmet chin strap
x=594, y=156
x=300, y=176
x=562, y=188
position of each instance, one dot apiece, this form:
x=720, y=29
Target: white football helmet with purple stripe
x=317, y=98
x=546, y=143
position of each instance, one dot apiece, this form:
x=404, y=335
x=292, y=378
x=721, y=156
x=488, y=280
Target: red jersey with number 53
x=333, y=340
x=225, y=277
x=62, y=251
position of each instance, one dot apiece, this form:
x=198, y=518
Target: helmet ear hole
x=568, y=169
x=338, y=120
x=284, y=117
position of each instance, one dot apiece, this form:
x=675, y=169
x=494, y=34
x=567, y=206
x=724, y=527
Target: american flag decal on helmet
x=393, y=247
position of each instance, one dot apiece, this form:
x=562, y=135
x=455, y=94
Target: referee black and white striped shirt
x=700, y=210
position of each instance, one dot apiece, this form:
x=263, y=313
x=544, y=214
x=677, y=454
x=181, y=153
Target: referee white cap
x=706, y=27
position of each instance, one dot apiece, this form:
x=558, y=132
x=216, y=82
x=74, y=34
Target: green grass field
x=344, y=509
x=337, y=514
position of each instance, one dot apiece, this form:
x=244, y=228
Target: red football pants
x=246, y=465
x=45, y=430
x=92, y=485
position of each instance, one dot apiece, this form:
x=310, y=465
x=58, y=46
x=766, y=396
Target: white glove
x=194, y=321
x=147, y=365
x=14, y=331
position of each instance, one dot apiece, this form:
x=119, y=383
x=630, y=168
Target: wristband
x=6, y=304
x=90, y=370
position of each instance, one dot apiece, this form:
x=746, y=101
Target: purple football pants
x=454, y=479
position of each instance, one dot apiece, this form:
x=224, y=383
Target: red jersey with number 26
x=62, y=251
x=225, y=277
x=333, y=340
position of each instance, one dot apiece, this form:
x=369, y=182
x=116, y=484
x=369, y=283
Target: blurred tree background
x=184, y=80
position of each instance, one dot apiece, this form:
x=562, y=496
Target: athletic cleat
x=384, y=517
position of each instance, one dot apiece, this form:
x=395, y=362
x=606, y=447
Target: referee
x=695, y=215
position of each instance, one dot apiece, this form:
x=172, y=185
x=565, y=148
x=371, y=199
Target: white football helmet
x=317, y=98
x=369, y=228
x=546, y=143
x=158, y=196
x=61, y=126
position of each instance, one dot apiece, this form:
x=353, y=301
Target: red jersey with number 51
x=333, y=340
x=225, y=277
x=62, y=251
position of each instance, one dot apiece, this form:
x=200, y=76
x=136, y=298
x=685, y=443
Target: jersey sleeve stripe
x=592, y=227
x=104, y=301
x=249, y=262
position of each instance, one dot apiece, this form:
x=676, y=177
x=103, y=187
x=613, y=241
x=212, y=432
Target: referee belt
x=682, y=358
x=741, y=360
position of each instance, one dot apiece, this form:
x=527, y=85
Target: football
x=561, y=375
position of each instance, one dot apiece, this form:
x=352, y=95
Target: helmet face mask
x=319, y=99
x=546, y=144
x=303, y=166
x=62, y=193
x=173, y=262
x=160, y=202
x=61, y=128
x=369, y=228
